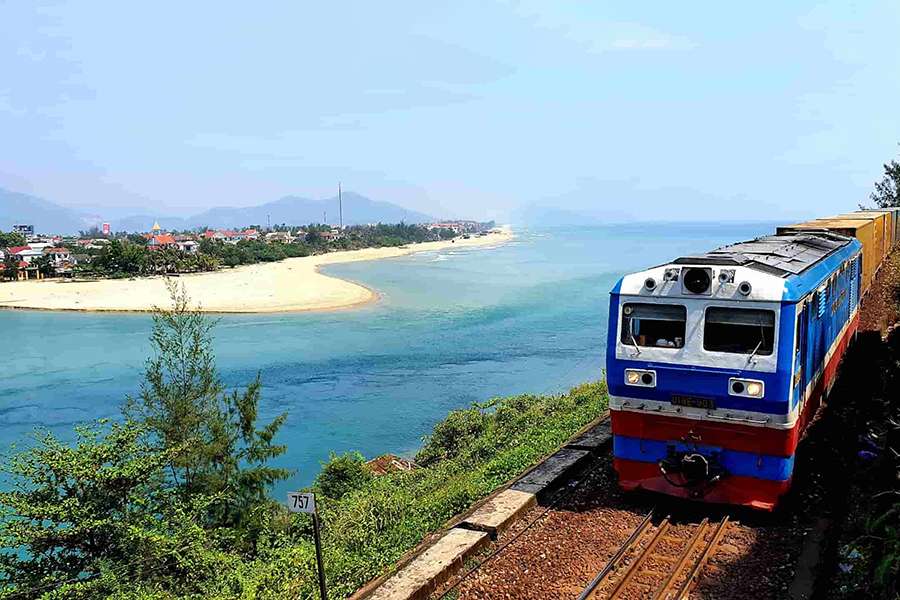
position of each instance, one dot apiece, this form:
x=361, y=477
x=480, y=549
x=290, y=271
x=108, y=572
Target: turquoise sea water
x=451, y=327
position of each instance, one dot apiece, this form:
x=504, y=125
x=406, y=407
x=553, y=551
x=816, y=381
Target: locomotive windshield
x=660, y=325
x=739, y=330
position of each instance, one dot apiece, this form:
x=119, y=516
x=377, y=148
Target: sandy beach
x=294, y=284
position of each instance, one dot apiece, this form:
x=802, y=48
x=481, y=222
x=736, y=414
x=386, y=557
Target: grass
x=469, y=454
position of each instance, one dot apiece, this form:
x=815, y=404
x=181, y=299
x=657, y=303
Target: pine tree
x=183, y=403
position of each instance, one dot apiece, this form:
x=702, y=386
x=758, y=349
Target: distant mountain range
x=292, y=210
x=45, y=215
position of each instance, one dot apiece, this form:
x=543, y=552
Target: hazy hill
x=44, y=215
x=293, y=210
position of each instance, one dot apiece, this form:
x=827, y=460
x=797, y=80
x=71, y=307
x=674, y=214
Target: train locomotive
x=716, y=363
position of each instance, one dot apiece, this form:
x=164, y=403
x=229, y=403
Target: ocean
x=451, y=327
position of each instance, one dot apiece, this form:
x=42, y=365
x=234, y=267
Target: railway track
x=659, y=562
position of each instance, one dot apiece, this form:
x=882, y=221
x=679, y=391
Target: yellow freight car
x=862, y=229
x=883, y=225
x=891, y=225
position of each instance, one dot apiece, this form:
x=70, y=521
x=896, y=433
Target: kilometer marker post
x=304, y=502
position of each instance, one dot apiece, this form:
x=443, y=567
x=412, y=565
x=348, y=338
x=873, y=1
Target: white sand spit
x=294, y=284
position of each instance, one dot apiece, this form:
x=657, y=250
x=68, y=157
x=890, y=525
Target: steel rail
x=663, y=591
x=643, y=556
x=614, y=561
x=685, y=571
x=701, y=560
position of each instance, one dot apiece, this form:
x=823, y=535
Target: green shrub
x=343, y=474
x=459, y=430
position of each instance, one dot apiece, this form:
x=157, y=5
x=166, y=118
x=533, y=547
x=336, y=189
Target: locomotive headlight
x=640, y=377
x=749, y=388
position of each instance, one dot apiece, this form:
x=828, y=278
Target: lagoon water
x=452, y=327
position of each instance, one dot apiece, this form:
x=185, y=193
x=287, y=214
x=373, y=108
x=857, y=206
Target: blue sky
x=650, y=110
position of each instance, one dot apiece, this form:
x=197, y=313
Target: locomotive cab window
x=739, y=330
x=657, y=325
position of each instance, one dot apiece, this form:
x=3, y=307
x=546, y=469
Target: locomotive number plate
x=693, y=401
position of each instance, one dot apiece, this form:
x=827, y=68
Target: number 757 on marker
x=301, y=502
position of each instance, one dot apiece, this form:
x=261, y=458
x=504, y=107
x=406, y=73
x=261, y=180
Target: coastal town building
x=92, y=244
x=187, y=243
x=26, y=230
x=223, y=235
x=41, y=244
x=26, y=257
x=25, y=253
x=161, y=240
x=158, y=239
x=62, y=260
x=58, y=256
x=231, y=237
x=42, y=256
x=459, y=227
x=28, y=271
x=283, y=237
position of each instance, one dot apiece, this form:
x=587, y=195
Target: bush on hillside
x=343, y=474
x=91, y=519
x=454, y=433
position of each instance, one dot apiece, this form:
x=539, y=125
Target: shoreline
x=287, y=286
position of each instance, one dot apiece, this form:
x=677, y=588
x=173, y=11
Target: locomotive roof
x=782, y=255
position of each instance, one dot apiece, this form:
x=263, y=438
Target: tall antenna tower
x=340, y=205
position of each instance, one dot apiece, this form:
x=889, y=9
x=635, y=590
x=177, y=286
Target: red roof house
x=162, y=240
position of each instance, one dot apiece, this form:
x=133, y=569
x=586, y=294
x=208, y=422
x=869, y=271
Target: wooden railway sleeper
x=701, y=560
x=663, y=591
x=645, y=553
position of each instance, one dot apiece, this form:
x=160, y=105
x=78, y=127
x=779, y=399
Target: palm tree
x=45, y=265
x=10, y=267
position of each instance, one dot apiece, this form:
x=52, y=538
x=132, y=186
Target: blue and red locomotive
x=716, y=363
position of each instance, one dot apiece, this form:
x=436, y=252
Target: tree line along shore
x=95, y=253
x=274, y=280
